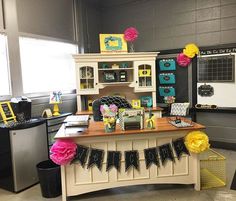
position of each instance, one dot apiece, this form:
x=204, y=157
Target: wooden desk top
x=96, y=129
x=87, y=112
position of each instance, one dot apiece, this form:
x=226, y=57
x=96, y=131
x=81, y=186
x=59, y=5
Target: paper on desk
x=74, y=131
x=77, y=118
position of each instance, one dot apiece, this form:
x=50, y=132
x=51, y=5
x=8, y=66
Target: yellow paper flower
x=197, y=141
x=191, y=50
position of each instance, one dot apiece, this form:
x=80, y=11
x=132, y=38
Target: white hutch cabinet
x=95, y=72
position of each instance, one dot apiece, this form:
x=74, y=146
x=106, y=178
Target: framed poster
x=112, y=43
x=7, y=112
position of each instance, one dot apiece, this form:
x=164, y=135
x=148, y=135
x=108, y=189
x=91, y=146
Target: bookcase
x=131, y=75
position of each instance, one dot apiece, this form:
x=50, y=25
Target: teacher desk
x=77, y=180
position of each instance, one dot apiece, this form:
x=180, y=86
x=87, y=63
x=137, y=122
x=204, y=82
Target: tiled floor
x=143, y=192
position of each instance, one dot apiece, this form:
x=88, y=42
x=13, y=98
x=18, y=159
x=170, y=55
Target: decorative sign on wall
x=112, y=43
x=206, y=90
x=218, y=51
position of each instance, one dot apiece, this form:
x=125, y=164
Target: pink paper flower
x=63, y=151
x=108, y=111
x=113, y=108
x=131, y=34
x=183, y=60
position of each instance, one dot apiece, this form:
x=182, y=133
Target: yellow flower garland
x=191, y=50
x=197, y=141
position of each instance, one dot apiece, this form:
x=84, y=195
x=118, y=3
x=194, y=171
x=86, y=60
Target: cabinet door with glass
x=144, y=76
x=87, y=78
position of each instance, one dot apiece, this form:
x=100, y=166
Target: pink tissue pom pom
x=63, y=151
x=183, y=60
x=113, y=108
x=131, y=34
x=102, y=109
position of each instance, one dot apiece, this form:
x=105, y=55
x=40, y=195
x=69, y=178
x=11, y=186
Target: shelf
x=109, y=69
x=91, y=78
x=115, y=83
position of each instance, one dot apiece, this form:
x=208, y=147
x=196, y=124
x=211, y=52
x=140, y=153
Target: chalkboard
x=181, y=80
x=6, y=112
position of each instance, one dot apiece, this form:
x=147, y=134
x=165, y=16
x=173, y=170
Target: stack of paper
x=77, y=121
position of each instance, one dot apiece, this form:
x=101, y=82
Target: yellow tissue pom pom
x=191, y=50
x=197, y=141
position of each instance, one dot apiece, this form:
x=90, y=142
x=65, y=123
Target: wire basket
x=212, y=169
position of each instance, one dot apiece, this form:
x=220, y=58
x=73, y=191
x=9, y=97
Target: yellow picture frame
x=112, y=43
x=144, y=73
x=7, y=112
x=136, y=103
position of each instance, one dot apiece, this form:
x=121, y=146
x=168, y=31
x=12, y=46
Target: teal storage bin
x=167, y=78
x=167, y=64
x=167, y=91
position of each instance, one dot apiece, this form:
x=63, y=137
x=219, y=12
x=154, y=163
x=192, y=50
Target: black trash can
x=49, y=178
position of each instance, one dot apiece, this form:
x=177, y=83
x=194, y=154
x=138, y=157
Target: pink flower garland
x=131, y=34
x=63, y=151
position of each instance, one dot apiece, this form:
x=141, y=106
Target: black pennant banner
x=96, y=158
x=166, y=153
x=113, y=159
x=151, y=157
x=131, y=159
x=180, y=147
x=81, y=155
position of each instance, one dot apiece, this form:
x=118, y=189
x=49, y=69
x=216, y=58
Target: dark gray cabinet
x=53, y=125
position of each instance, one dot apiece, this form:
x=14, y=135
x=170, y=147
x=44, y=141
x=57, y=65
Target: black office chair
x=233, y=184
x=108, y=100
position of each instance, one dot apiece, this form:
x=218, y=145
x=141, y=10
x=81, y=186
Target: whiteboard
x=224, y=93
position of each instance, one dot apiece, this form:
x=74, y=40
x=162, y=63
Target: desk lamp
x=55, y=99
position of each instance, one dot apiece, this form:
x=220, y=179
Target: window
x=47, y=65
x=4, y=67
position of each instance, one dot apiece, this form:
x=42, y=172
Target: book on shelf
x=77, y=121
